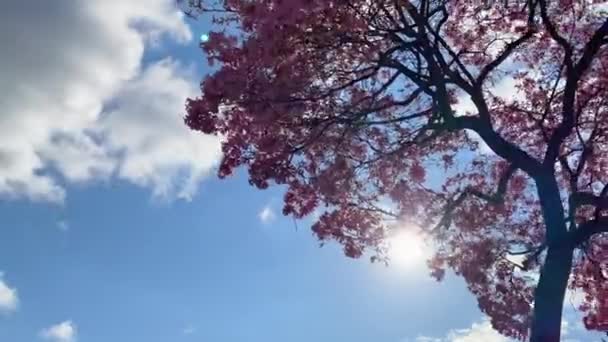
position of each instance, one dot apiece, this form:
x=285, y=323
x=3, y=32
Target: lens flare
x=407, y=249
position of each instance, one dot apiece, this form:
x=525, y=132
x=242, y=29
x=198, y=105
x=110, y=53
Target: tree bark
x=549, y=295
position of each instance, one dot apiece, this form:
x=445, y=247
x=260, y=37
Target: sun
x=406, y=248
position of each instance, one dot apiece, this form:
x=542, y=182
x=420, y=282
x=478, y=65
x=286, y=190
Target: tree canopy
x=485, y=124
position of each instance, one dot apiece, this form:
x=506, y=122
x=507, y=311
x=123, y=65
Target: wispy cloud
x=63, y=225
x=267, y=214
x=189, y=330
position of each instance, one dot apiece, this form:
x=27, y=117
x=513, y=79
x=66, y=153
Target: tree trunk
x=551, y=289
x=549, y=295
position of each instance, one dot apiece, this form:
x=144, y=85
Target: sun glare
x=406, y=249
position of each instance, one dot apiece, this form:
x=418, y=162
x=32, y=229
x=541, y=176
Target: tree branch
x=481, y=125
x=498, y=196
x=498, y=144
x=587, y=198
x=592, y=47
x=554, y=34
x=573, y=75
x=600, y=202
x=495, y=198
x=509, y=49
x=586, y=230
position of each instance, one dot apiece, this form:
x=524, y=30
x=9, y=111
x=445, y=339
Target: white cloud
x=158, y=150
x=427, y=339
x=8, y=297
x=62, y=332
x=481, y=332
x=478, y=332
x=74, y=97
x=267, y=215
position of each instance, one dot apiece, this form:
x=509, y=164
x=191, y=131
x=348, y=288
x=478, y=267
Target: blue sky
x=115, y=228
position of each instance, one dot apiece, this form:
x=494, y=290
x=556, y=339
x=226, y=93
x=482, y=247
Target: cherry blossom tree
x=484, y=124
